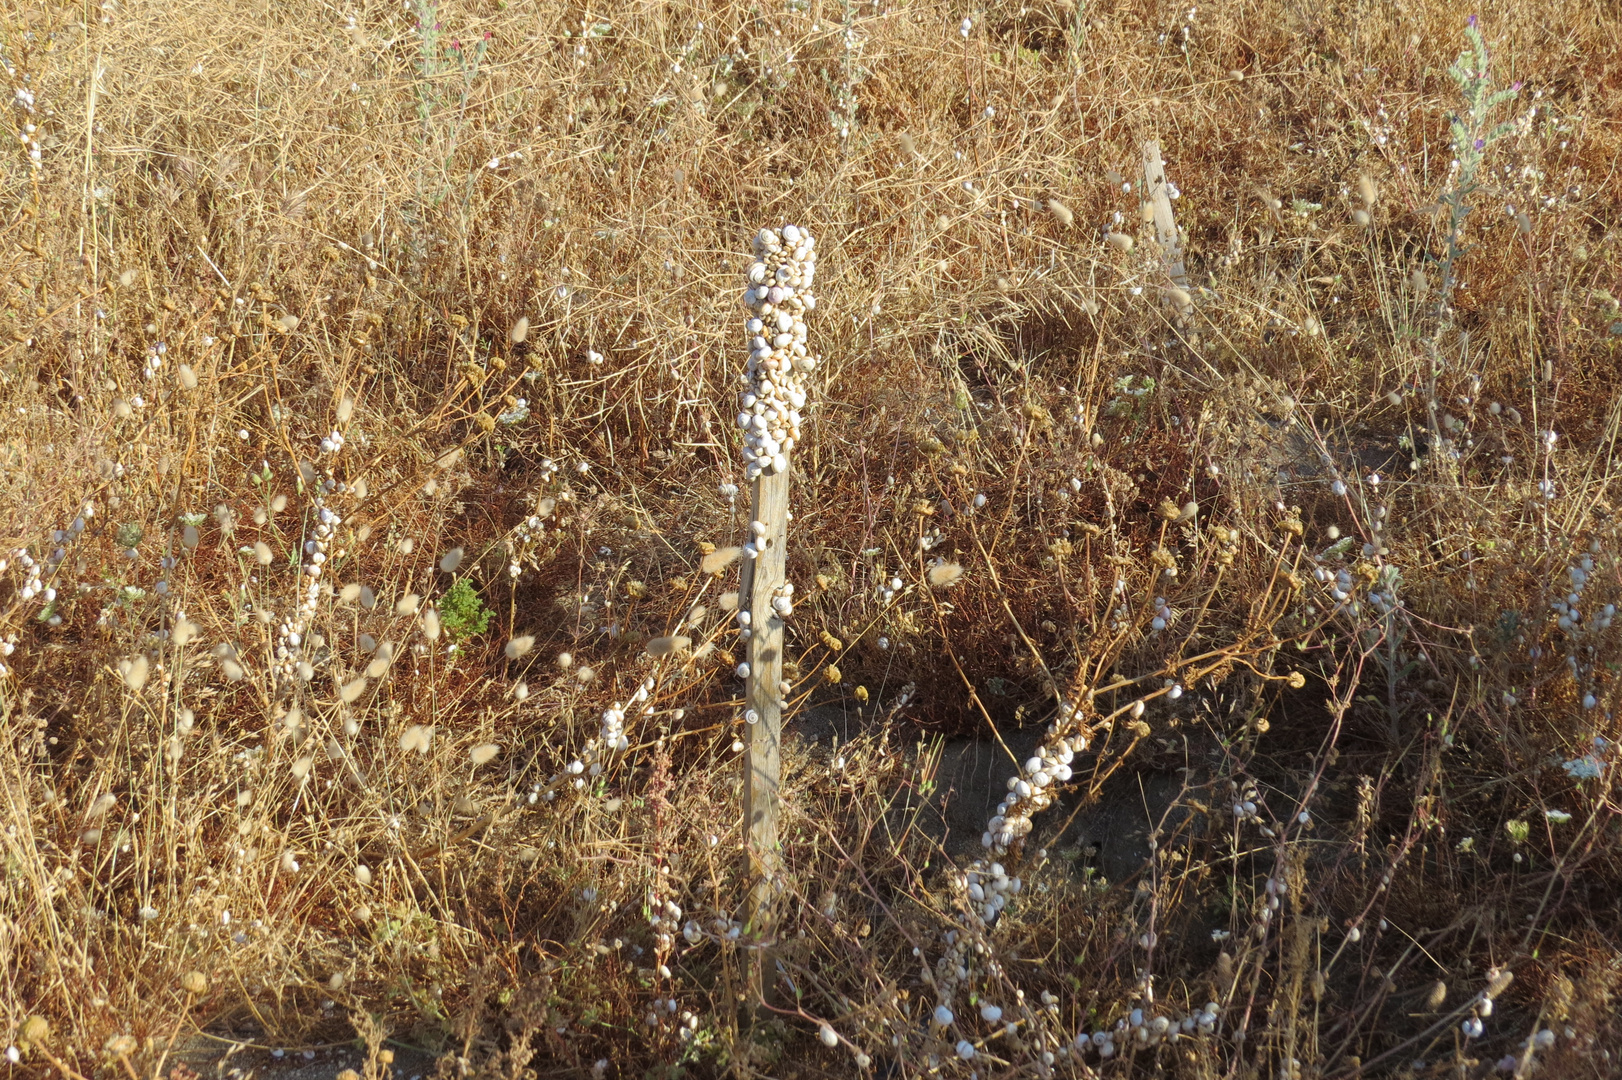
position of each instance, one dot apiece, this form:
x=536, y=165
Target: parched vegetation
x=1214, y=437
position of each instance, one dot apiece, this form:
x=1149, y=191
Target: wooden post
x=1156, y=194
x=761, y=578
x=778, y=296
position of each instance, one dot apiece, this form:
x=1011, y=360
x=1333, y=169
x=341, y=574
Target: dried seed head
x=484, y=753
x=1498, y=981
x=101, y=806
x=188, y=377
x=944, y=575
x=134, y=672
x=416, y=737
x=719, y=559
x=351, y=690
x=519, y=646
x=667, y=646
x=194, y=983
x=346, y=409
x=1121, y=241
x=35, y=1030
x=450, y=560
x=520, y=330
x=430, y=624
x=1367, y=190
x=1437, y=995
x=262, y=552
x=408, y=604
x=1061, y=213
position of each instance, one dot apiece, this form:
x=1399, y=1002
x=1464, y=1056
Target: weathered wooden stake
x=761, y=579
x=779, y=298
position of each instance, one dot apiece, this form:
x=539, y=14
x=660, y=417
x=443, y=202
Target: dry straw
x=996, y=388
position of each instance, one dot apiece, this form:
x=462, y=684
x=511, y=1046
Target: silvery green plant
x=1473, y=132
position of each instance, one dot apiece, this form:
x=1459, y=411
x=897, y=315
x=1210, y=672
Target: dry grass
x=335, y=219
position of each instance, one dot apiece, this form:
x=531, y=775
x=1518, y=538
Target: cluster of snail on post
x=778, y=297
